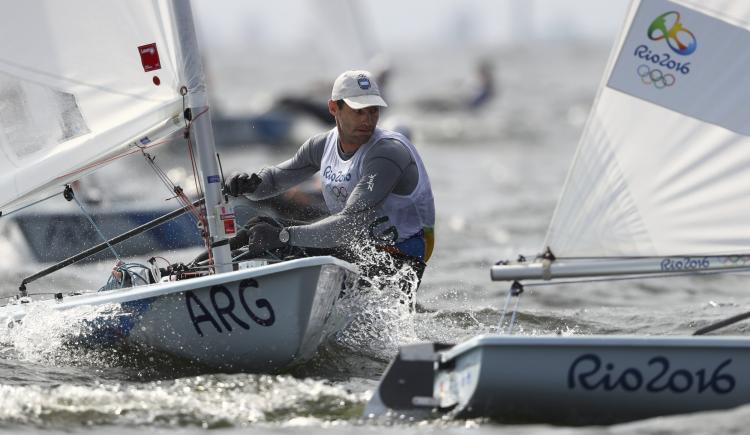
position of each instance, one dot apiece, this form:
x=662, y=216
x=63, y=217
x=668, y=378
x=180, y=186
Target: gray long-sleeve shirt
x=388, y=161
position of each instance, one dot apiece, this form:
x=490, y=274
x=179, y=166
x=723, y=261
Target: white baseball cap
x=358, y=89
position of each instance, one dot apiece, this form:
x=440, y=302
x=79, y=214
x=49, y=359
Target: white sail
x=663, y=167
x=81, y=82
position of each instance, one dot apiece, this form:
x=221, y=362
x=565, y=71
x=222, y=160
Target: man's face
x=355, y=125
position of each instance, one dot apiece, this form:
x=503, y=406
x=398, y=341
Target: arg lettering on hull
x=225, y=310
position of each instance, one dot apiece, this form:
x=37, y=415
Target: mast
x=197, y=102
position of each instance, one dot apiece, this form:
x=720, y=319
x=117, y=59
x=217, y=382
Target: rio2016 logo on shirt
x=667, y=26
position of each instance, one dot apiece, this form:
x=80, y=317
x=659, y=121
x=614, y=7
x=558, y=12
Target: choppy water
x=496, y=174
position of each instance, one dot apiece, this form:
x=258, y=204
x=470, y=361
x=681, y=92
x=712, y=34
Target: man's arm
x=383, y=171
x=279, y=178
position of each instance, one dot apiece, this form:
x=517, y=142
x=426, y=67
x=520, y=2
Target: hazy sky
x=404, y=24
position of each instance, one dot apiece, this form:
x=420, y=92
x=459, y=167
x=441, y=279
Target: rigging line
x=166, y=181
x=634, y=277
x=514, y=314
x=722, y=323
x=113, y=158
x=194, y=211
x=188, y=137
x=202, y=216
x=96, y=227
x=183, y=92
x=505, y=309
x=195, y=167
x=171, y=187
x=193, y=162
x=199, y=188
x=30, y=205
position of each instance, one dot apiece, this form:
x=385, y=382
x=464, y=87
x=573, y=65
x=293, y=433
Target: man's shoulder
x=314, y=147
x=390, y=146
x=318, y=139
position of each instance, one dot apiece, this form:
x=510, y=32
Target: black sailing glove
x=263, y=236
x=261, y=219
x=242, y=183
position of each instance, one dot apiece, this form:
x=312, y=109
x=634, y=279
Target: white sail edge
x=590, y=268
x=75, y=96
x=144, y=140
x=590, y=119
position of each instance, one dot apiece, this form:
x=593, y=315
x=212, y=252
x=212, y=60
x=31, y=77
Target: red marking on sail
x=149, y=57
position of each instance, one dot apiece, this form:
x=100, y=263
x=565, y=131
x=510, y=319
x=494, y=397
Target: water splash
x=50, y=336
x=379, y=315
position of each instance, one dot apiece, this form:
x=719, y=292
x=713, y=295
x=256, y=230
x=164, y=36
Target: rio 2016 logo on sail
x=666, y=27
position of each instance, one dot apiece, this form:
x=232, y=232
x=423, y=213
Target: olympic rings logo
x=680, y=40
x=339, y=192
x=655, y=77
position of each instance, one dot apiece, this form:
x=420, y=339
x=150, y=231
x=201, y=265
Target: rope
x=513, y=317
x=199, y=215
x=96, y=227
x=173, y=188
x=113, y=158
x=32, y=204
x=202, y=216
x=139, y=148
x=516, y=289
x=128, y=274
x=505, y=309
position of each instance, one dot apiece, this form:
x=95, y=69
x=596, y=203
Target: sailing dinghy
x=658, y=186
x=83, y=83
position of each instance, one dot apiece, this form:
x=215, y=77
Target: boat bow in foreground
x=267, y=318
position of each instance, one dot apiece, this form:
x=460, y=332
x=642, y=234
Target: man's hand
x=242, y=183
x=255, y=220
x=264, y=236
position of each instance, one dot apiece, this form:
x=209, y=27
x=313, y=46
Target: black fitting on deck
x=516, y=288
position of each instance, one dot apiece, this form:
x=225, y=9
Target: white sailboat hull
x=577, y=380
x=262, y=319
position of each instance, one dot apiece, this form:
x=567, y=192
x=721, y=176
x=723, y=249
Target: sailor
x=374, y=184
x=482, y=91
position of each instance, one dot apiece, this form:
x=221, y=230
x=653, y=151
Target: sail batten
x=663, y=166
